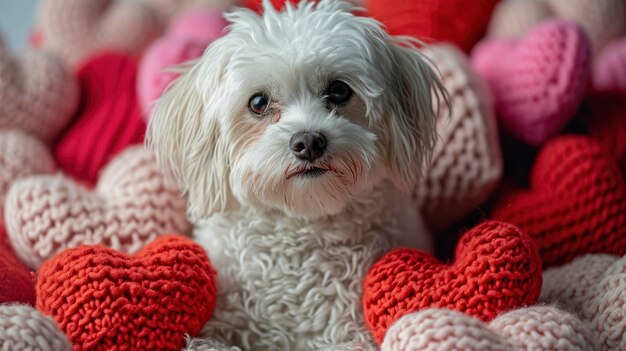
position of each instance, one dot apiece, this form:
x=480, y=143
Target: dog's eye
x=258, y=103
x=339, y=92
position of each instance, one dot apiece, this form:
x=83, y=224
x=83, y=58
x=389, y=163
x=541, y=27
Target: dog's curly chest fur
x=290, y=284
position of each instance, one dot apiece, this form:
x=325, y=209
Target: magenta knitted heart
x=539, y=81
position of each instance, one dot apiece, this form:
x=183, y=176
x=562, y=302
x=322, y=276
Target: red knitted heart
x=108, y=121
x=16, y=282
x=461, y=22
x=105, y=300
x=496, y=269
x=576, y=205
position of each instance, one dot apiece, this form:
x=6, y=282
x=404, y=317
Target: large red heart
x=109, y=119
x=105, y=300
x=497, y=268
x=460, y=22
x=576, y=205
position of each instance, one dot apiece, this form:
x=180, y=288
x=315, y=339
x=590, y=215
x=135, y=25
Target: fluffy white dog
x=293, y=137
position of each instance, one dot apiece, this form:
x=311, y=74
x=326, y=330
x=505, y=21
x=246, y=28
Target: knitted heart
x=466, y=163
x=187, y=38
x=23, y=328
x=609, y=68
x=108, y=121
x=132, y=204
x=16, y=282
x=606, y=123
x=539, y=81
x=76, y=29
x=603, y=21
x=543, y=328
x=37, y=93
x=496, y=269
x=576, y=205
x=21, y=155
x=457, y=21
x=595, y=287
x=105, y=300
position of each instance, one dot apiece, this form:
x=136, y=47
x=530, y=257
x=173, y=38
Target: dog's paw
x=496, y=269
x=576, y=204
x=132, y=204
x=149, y=301
x=535, y=328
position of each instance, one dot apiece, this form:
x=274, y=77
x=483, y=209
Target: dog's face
x=297, y=111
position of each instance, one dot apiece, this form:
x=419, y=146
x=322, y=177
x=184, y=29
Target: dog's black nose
x=308, y=145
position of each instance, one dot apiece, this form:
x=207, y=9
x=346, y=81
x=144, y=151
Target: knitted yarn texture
x=187, y=38
x=496, y=269
x=16, y=282
x=576, y=204
x=466, y=163
x=109, y=119
x=23, y=328
x=21, y=155
x=595, y=287
x=535, y=328
x=538, y=82
x=132, y=204
x=38, y=94
x=105, y=300
x=76, y=29
x=457, y=21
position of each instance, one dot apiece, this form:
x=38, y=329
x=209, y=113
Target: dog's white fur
x=291, y=252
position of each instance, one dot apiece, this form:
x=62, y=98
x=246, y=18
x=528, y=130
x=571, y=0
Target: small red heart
x=576, y=204
x=496, y=269
x=106, y=300
x=461, y=22
x=109, y=119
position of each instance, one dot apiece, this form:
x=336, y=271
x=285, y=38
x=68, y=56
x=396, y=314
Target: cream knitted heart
x=132, y=204
x=543, y=328
x=23, y=328
x=595, y=287
x=466, y=163
x=38, y=94
x=76, y=29
x=21, y=155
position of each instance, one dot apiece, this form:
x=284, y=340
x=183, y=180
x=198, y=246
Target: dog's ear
x=187, y=137
x=414, y=95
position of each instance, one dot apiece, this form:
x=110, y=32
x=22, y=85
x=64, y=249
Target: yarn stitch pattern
x=23, y=328
x=107, y=301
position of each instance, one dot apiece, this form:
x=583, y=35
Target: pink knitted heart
x=535, y=328
x=609, y=68
x=539, y=81
x=187, y=38
x=38, y=94
x=595, y=287
x=21, y=155
x=132, y=204
x=466, y=163
x=77, y=28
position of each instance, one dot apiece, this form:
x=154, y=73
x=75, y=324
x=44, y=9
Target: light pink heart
x=187, y=38
x=539, y=81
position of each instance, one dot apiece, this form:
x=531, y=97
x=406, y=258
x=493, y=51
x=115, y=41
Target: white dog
x=293, y=136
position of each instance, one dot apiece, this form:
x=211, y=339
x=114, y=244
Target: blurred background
x=16, y=19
